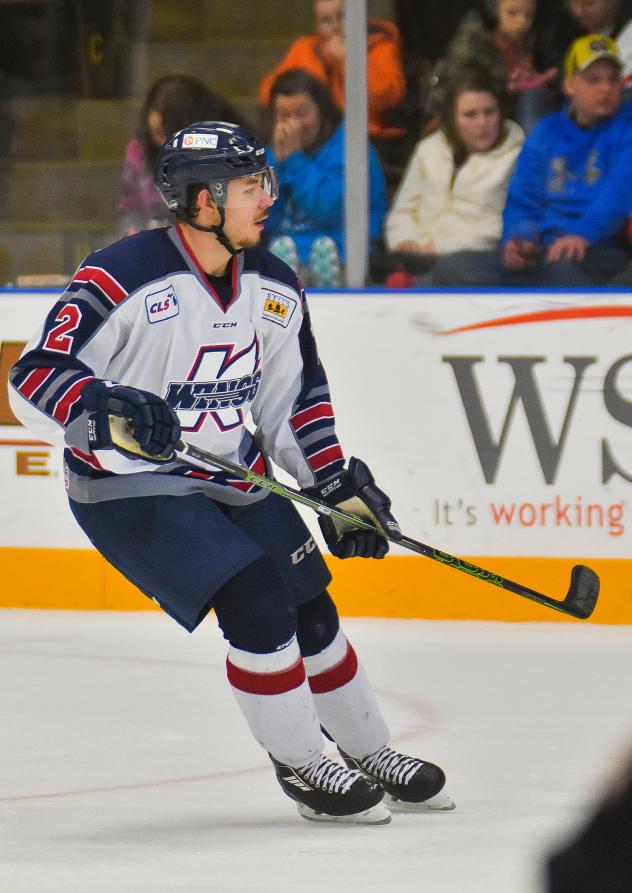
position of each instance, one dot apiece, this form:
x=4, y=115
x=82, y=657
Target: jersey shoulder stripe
x=120, y=269
x=106, y=283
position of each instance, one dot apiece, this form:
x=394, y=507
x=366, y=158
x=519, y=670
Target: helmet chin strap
x=218, y=231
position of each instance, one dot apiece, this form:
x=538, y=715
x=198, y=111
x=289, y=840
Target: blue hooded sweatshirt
x=571, y=180
x=311, y=195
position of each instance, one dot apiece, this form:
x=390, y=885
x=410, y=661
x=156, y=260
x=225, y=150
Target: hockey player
x=195, y=328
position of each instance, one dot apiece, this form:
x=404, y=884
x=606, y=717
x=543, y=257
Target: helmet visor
x=251, y=190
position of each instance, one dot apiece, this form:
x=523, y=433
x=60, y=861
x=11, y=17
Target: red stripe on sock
x=266, y=683
x=336, y=676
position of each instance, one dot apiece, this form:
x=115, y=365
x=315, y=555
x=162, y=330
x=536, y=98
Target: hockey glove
x=152, y=426
x=355, y=491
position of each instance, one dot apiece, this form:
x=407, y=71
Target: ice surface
x=126, y=766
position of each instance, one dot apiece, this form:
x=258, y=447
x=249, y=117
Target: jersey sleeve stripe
x=33, y=381
x=312, y=414
x=325, y=457
x=112, y=289
x=65, y=403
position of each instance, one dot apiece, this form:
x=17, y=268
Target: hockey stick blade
x=579, y=602
x=583, y=593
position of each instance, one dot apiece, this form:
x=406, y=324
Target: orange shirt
x=385, y=75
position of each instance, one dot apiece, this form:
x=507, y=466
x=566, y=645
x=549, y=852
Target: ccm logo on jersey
x=162, y=304
x=278, y=308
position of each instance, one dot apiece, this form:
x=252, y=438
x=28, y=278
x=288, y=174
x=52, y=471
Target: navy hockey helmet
x=209, y=152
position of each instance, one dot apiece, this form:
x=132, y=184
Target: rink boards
x=500, y=424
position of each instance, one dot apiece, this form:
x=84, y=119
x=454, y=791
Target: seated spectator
x=576, y=18
x=305, y=225
x=501, y=37
x=454, y=189
x=171, y=103
x=569, y=198
x=323, y=55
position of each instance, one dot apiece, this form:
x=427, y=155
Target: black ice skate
x=325, y=791
x=410, y=785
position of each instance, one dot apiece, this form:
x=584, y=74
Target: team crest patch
x=278, y=308
x=162, y=304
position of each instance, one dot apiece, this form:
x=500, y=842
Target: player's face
x=300, y=112
x=595, y=93
x=593, y=15
x=477, y=120
x=330, y=17
x=247, y=205
x=156, y=128
x=515, y=18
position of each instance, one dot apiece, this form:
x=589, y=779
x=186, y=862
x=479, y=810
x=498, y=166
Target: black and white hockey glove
x=355, y=491
x=151, y=429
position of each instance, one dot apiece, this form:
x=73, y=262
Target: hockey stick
x=580, y=599
x=579, y=602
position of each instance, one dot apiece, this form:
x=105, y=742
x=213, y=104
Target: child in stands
x=501, y=37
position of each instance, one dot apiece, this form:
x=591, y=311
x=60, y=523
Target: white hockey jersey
x=243, y=375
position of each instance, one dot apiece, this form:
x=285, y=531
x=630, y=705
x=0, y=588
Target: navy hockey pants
x=255, y=564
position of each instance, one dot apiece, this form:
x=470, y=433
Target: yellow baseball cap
x=588, y=49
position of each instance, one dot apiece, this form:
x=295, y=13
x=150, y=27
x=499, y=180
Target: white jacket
x=455, y=212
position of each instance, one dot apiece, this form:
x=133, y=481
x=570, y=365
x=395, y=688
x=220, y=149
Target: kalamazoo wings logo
x=222, y=384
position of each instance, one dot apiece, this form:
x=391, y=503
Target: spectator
x=323, y=55
x=612, y=18
x=501, y=37
x=305, y=226
x=598, y=856
x=568, y=201
x=172, y=103
x=454, y=189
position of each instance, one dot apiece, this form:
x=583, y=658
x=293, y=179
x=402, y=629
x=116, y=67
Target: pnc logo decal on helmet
x=199, y=141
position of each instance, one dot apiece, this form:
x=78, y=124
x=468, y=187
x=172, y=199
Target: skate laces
x=329, y=776
x=388, y=765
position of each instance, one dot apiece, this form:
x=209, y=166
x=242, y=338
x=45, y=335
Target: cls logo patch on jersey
x=278, y=308
x=162, y=304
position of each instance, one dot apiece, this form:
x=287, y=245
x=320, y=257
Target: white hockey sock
x=273, y=694
x=346, y=705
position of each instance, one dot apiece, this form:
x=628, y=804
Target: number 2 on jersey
x=68, y=320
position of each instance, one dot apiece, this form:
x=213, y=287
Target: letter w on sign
x=525, y=392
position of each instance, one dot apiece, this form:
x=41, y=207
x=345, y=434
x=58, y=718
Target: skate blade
x=441, y=802
x=376, y=815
